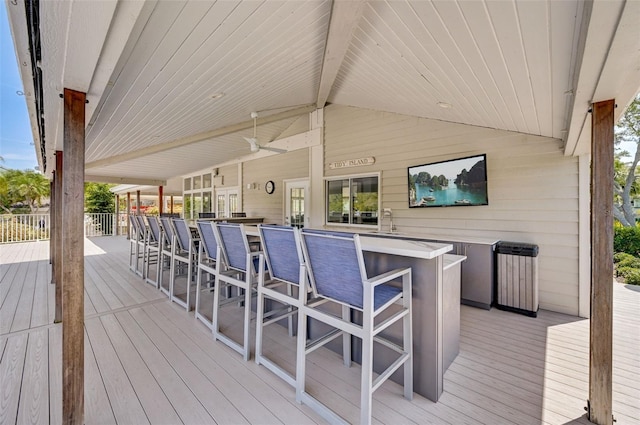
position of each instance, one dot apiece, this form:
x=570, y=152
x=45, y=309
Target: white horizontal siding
x=533, y=187
x=229, y=174
x=257, y=202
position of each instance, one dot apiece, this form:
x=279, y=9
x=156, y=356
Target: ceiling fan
x=253, y=141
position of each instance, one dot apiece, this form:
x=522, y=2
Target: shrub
x=633, y=277
x=627, y=239
x=621, y=256
x=624, y=272
x=632, y=262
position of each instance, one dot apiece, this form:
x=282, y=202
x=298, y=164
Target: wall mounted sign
x=359, y=162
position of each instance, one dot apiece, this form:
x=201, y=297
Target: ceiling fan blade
x=277, y=150
x=255, y=147
x=253, y=141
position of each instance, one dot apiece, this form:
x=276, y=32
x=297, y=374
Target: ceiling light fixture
x=445, y=105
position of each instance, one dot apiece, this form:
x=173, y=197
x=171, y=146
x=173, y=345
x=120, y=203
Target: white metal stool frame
x=334, y=262
x=153, y=250
x=166, y=254
x=238, y=261
x=282, y=256
x=207, y=262
x=184, y=254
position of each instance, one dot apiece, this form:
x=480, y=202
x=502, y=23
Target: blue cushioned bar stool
x=183, y=263
x=336, y=268
x=152, y=251
x=136, y=246
x=166, y=255
x=286, y=289
x=205, y=281
x=242, y=265
x=144, y=232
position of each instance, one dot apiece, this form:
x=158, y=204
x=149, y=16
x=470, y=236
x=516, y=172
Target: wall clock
x=270, y=186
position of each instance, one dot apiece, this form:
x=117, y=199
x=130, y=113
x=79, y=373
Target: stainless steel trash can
x=517, y=283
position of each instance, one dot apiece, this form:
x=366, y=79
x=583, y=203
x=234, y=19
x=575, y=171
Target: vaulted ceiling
x=171, y=84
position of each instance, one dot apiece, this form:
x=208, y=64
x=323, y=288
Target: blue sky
x=15, y=129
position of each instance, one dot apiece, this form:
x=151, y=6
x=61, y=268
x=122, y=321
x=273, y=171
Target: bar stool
x=152, y=251
x=241, y=265
x=282, y=255
x=183, y=261
x=288, y=288
x=144, y=233
x=337, y=273
x=136, y=246
x=207, y=259
x=166, y=255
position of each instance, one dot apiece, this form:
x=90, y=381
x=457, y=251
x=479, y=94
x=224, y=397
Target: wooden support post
x=58, y=236
x=116, y=231
x=73, y=254
x=52, y=219
x=160, y=199
x=601, y=335
x=138, y=212
x=128, y=215
x=171, y=207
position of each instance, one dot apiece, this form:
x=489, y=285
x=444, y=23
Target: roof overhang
x=608, y=68
x=171, y=85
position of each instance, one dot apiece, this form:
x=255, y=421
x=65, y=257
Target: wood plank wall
x=533, y=187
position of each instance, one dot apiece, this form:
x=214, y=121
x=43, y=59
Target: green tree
x=98, y=198
x=625, y=185
x=25, y=187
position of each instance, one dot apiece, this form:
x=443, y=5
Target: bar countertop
x=395, y=246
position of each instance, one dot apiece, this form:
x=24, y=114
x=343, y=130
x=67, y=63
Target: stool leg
x=407, y=338
x=216, y=309
x=301, y=354
x=346, y=337
x=259, y=323
x=366, y=378
x=247, y=318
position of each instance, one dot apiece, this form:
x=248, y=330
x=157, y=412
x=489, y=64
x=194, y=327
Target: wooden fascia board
x=199, y=137
x=345, y=15
x=88, y=26
x=18, y=27
x=126, y=25
x=600, y=23
x=124, y=180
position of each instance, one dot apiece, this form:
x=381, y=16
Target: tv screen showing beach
x=457, y=182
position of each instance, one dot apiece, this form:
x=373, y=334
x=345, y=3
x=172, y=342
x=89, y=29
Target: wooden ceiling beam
x=245, y=125
x=345, y=15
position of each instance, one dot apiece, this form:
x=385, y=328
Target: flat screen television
x=456, y=182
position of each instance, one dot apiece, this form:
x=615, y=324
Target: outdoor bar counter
x=436, y=306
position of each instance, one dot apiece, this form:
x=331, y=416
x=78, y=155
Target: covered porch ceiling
x=171, y=84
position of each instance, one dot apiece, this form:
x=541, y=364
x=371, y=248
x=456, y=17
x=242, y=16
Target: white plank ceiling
x=505, y=64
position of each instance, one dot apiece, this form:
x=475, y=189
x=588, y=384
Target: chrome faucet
x=387, y=213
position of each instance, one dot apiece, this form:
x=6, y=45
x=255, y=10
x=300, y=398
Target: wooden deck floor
x=148, y=361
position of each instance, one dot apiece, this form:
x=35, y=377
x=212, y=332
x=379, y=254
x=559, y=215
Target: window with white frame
x=197, y=193
x=353, y=200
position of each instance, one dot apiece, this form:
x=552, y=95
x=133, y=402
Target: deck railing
x=24, y=227
x=36, y=227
